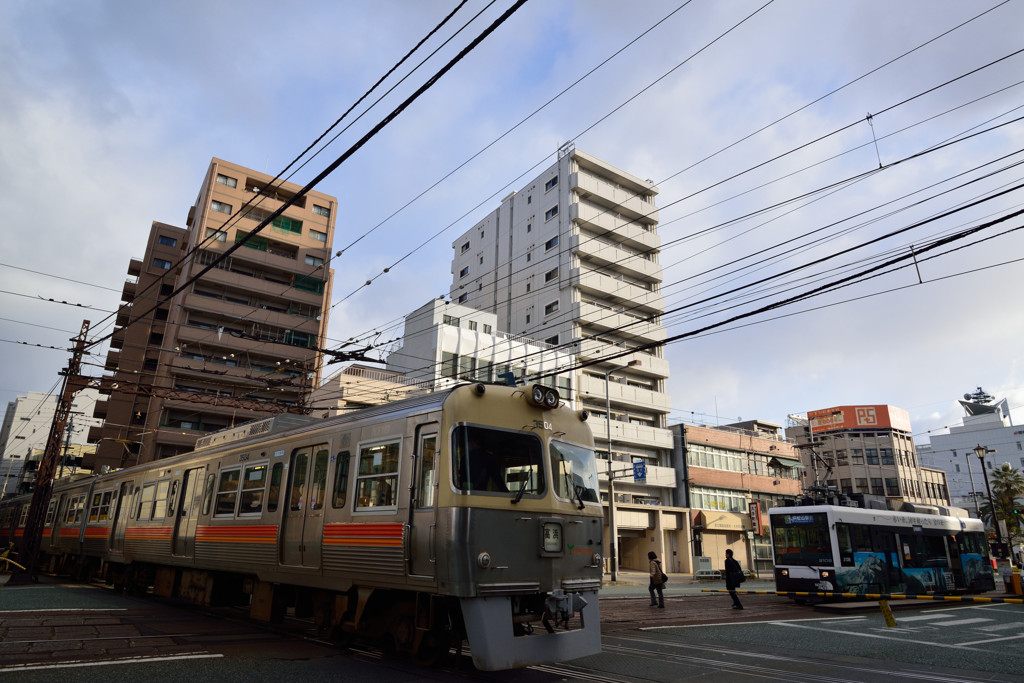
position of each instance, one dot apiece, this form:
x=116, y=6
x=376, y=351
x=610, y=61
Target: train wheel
x=432, y=648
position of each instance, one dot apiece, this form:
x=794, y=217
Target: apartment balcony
x=601, y=221
x=650, y=365
x=622, y=395
x=611, y=256
x=99, y=411
x=129, y=289
x=135, y=267
x=629, y=433
x=117, y=339
x=113, y=360
x=656, y=475
x=250, y=314
x=199, y=337
x=616, y=289
x=261, y=285
x=625, y=324
x=626, y=202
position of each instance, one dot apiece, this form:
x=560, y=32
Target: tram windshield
x=574, y=472
x=802, y=539
x=496, y=461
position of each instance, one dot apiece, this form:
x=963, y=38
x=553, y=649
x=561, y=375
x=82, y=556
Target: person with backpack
x=657, y=581
x=733, y=578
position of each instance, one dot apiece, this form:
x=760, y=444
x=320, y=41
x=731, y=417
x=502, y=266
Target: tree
x=1008, y=495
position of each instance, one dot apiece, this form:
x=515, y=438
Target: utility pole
x=73, y=381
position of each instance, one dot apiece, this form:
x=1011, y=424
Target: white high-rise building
x=572, y=259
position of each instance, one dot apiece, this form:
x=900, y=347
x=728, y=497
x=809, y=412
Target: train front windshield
x=802, y=539
x=496, y=461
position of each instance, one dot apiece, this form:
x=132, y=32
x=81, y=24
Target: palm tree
x=1008, y=495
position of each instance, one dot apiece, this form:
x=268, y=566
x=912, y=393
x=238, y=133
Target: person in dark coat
x=733, y=578
x=656, y=583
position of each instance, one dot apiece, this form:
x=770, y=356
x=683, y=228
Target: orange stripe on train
x=363, y=531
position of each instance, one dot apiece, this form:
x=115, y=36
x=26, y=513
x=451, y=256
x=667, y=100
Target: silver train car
x=466, y=515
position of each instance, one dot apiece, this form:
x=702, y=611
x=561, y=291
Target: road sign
x=639, y=471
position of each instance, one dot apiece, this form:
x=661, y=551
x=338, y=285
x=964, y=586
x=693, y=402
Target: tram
x=471, y=514
x=834, y=548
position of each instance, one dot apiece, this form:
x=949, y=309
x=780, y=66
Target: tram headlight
x=551, y=398
x=784, y=572
x=826, y=574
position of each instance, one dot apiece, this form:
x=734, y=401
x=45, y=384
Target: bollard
x=890, y=620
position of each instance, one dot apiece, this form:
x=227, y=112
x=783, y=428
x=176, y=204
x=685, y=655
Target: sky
x=759, y=123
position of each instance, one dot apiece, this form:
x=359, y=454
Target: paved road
x=91, y=633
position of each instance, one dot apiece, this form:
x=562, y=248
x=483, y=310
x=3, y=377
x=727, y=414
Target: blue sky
x=111, y=111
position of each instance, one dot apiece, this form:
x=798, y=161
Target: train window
x=318, y=482
x=147, y=502
x=94, y=509
x=341, y=479
x=496, y=461
x=171, y=498
x=574, y=473
x=227, y=493
x=161, y=495
x=377, y=479
x=24, y=515
x=427, y=475
x=50, y=510
x=300, y=463
x=253, y=484
x=275, y=486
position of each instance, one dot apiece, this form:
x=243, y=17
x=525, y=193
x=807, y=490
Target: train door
x=187, y=517
x=58, y=520
x=883, y=541
x=423, y=507
x=302, y=524
x=124, y=492
x=956, y=564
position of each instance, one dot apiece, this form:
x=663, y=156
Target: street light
x=980, y=451
x=613, y=531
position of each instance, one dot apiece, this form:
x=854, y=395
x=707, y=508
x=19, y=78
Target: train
x=468, y=515
x=841, y=548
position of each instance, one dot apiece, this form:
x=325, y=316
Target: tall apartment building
x=26, y=428
x=237, y=344
x=985, y=423
x=572, y=259
x=866, y=449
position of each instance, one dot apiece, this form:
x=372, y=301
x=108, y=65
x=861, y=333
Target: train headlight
x=825, y=574
x=595, y=561
x=544, y=397
x=784, y=572
x=484, y=560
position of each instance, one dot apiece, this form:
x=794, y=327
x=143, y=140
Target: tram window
x=318, y=482
x=923, y=552
x=428, y=475
x=974, y=543
x=274, y=494
x=208, y=496
x=227, y=493
x=341, y=479
x=573, y=472
x=300, y=462
x=377, y=478
x=853, y=539
x=253, y=484
x=495, y=461
x=802, y=539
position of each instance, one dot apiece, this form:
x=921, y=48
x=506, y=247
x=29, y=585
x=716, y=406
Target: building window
x=161, y=263
x=551, y=213
x=227, y=181
x=527, y=287
x=217, y=235
x=463, y=298
x=220, y=206
x=167, y=241
x=551, y=243
x=551, y=275
x=318, y=236
x=551, y=183
x=872, y=456
x=529, y=256
x=527, y=318
x=481, y=234
x=551, y=308
x=552, y=340
x=487, y=328
x=481, y=260
x=529, y=199
x=450, y=320
x=472, y=324
x=465, y=248
x=529, y=227
x=314, y=260
x=321, y=210
x=464, y=272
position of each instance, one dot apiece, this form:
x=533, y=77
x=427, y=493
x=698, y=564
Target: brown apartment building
x=237, y=344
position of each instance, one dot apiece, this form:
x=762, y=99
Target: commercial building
x=26, y=428
x=984, y=423
x=730, y=476
x=237, y=343
x=571, y=258
x=866, y=449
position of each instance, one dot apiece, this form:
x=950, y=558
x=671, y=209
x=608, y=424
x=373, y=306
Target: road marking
x=990, y=640
x=959, y=622
x=921, y=617
x=896, y=636
x=109, y=662
x=748, y=623
x=67, y=609
x=1002, y=627
x=93, y=639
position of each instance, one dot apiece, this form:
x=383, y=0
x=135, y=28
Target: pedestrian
x=733, y=578
x=657, y=581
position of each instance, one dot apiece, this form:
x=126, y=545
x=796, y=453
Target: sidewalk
x=632, y=583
